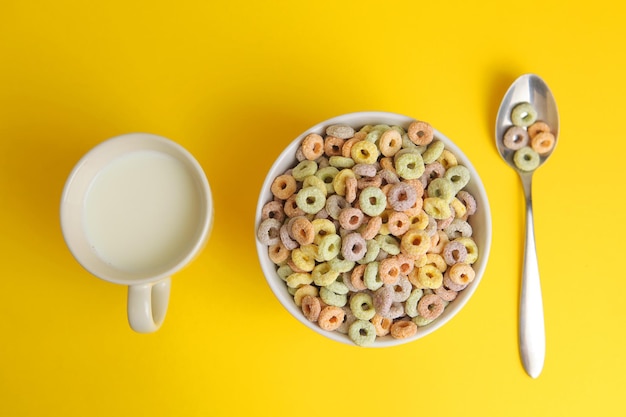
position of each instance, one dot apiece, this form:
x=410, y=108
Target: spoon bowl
x=528, y=88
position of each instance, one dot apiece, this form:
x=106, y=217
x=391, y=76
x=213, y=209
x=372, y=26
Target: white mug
x=135, y=210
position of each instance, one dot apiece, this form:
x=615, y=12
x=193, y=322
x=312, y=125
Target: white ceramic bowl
x=480, y=222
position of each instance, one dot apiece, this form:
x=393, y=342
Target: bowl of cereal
x=373, y=229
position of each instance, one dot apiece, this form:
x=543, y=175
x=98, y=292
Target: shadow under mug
x=136, y=209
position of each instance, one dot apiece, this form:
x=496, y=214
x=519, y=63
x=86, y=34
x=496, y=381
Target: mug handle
x=147, y=305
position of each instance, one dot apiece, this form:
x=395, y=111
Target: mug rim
x=98, y=158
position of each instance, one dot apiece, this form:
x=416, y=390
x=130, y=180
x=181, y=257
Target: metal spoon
x=532, y=340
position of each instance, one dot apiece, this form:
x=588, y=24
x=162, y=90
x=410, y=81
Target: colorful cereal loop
x=409, y=165
x=339, y=181
x=322, y=228
x=402, y=196
x=311, y=308
x=515, y=137
x=313, y=146
x=329, y=247
x=341, y=131
x=442, y=188
x=351, y=218
x=303, y=291
x=303, y=261
x=331, y=317
x=401, y=289
x=403, y=329
x=523, y=114
x=434, y=151
x=415, y=243
x=372, y=252
x=362, y=333
x=327, y=174
x=273, y=210
x=372, y=201
x=298, y=279
x=278, y=253
x=389, y=270
x=310, y=200
x=371, y=276
x=302, y=230
x=447, y=159
x=390, y=142
x=437, y=208
x=333, y=299
x=471, y=247
x=538, y=127
x=420, y=133
x=430, y=306
x=410, y=305
x=543, y=143
x=268, y=232
x=333, y=145
x=341, y=265
x=364, y=152
x=398, y=223
x=389, y=244
x=304, y=169
x=353, y=247
x=362, y=306
x=313, y=181
x=381, y=324
x=462, y=273
x=322, y=274
x=371, y=229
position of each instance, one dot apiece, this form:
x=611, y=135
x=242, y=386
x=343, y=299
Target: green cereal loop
x=304, y=169
x=366, y=129
x=442, y=188
x=410, y=305
x=459, y=176
x=362, y=306
x=284, y=271
x=341, y=265
x=371, y=276
x=526, y=159
x=470, y=246
x=323, y=275
x=341, y=161
x=338, y=287
x=437, y=208
x=332, y=299
x=421, y=321
x=371, y=252
x=364, y=152
x=292, y=291
x=373, y=201
x=298, y=279
x=362, y=332
x=408, y=144
x=310, y=200
x=433, y=151
x=399, y=129
x=313, y=181
x=389, y=244
x=381, y=127
x=329, y=247
x=523, y=114
x=373, y=136
x=409, y=165
x=327, y=174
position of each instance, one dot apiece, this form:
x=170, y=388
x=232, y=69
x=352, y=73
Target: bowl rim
x=355, y=119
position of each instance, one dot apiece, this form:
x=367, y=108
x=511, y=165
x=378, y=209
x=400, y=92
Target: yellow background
x=234, y=82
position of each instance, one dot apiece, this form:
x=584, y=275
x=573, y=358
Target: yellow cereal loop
x=419, y=221
x=428, y=276
x=341, y=161
x=364, y=152
x=313, y=181
x=303, y=291
x=322, y=228
x=447, y=159
x=459, y=208
x=472, y=248
x=436, y=260
x=327, y=174
x=437, y=208
x=323, y=275
x=415, y=243
x=339, y=182
x=298, y=279
x=302, y=260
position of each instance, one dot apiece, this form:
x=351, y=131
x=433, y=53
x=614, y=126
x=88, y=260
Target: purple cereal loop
x=432, y=171
x=383, y=298
x=454, y=252
x=269, y=232
x=322, y=214
x=388, y=176
x=430, y=306
x=364, y=170
x=431, y=228
x=468, y=200
x=353, y=247
x=334, y=204
x=365, y=182
x=345, y=278
x=401, y=196
x=286, y=239
x=445, y=294
x=443, y=223
x=300, y=154
x=396, y=310
x=347, y=320
x=401, y=289
x=322, y=162
x=458, y=228
x=273, y=210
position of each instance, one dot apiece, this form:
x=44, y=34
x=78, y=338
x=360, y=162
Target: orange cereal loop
x=351, y=187
x=283, y=186
x=311, y=307
x=538, y=127
x=302, y=231
x=389, y=270
x=313, y=146
x=333, y=146
x=398, y=223
x=405, y=264
x=430, y=306
x=347, y=145
x=390, y=142
x=381, y=324
x=303, y=291
x=373, y=227
x=403, y=329
x=291, y=208
x=387, y=163
x=542, y=143
x=420, y=133
x=331, y=317
x=356, y=277
x=278, y=253
x=461, y=273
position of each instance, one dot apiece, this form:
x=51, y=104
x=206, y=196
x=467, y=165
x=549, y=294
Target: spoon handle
x=532, y=338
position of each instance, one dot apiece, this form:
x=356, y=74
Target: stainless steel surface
x=532, y=340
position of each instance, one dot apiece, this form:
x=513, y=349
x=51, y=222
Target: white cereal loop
x=341, y=131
